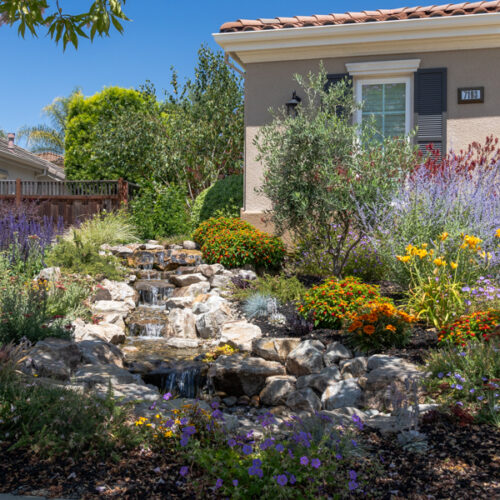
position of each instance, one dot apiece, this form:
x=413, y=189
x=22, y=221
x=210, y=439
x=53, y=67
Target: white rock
x=247, y=275
x=102, y=331
x=189, y=245
x=277, y=390
x=120, y=291
x=186, y=279
x=221, y=280
x=95, y=352
x=192, y=290
x=379, y=360
x=180, y=343
x=209, y=270
x=111, y=306
x=274, y=349
x=180, y=302
x=239, y=334
x=50, y=274
x=209, y=324
x=305, y=400
x=320, y=381
x=353, y=368
x=181, y=323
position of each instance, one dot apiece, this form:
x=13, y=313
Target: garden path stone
x=304, y=399
x=305, y=359
x=274, y=349
x=335, y=353
x=342, y=394
x=239, y=334
x=277, y=389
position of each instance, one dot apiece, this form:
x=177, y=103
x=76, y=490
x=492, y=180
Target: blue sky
x=163, y=33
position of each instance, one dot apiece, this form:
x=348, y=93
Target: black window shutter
x=430, y=108
x=335, y=78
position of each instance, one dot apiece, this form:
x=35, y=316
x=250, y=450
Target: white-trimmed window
x=4, y=175
x=385, y=88
x=388, y=102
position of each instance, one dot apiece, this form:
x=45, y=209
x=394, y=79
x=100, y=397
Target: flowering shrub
x=460, y=193
x=473, y=327
x=24, y=312
x=235, y=243
x=379, y=325
x=299, y=465
x=437, y=274
x=484, y=294
x=333, y=301
x=467, y=378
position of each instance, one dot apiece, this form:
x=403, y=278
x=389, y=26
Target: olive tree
x=320, y=168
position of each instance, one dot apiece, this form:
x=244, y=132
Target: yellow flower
x=497, y=233
x=391, y=328
x=422, y=253
x=443, y=236
x=168, y=434
x=439, y=262
x=404, y=258
x=453, y=265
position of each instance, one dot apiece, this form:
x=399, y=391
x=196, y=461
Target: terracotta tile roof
x=450, y=9
x=54, y=158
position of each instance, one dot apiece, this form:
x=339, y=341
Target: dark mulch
x=137, y=475
x=462, y=462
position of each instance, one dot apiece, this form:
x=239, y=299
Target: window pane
x=394, y=125
x=372, y=96
x=385, y=103
x=395, y=97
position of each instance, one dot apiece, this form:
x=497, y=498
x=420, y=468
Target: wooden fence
x=74, y=201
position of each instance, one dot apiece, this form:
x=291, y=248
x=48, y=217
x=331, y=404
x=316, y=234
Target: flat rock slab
x=187, y=279
x=240, y=335
x=274, y=349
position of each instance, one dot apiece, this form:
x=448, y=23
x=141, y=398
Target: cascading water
x=183, y=381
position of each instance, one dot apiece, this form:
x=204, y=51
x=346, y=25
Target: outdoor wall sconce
x=292, y=104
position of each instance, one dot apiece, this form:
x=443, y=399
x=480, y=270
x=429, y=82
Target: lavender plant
x=449, y=199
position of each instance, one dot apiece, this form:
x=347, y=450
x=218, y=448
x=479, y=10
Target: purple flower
x=440, y=375
x=218, y=483
x=472, y=391
x=256, y=462
x=304, y=460
x=169, y=423
x=280, y=447
x=463, y=354
x=293, y=479
x=167, y=396
x=189, y=431
x=282, y=480
x=267, y=444
x=352, y=475
x=354, y=443
x=459, y=387
x=184, y=420
x=231, y=443
x=255, y=471
x=480, y=398
x=353, y=485
x=235, y=482
x=214, y=405
x=246, y=449
x=459, y=403
x=338, y=456
x=316, y=463
x=290, y=453
x=184, y=470
x=184, y=440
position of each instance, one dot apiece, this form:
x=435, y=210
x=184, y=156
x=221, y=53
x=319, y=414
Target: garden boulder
x=107, y=332
x=53, y=358
x=121, y=292
x=240, y=335
x=98, y=352
x=192, y=290
x=209, y=324
x=274, y=349
x=353, y=368
x=306, y=358
x=181, y=280
x=335, y=353
x=182, y=324
x=304, y=400
x=320, y=381
x=277, y=389
x=342, y=394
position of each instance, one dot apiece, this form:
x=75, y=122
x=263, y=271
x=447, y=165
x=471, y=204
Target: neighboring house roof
x=367, y=16
x=54, y=158
x=20, y=157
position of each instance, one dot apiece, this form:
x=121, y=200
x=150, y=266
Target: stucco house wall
x=269, y=85
x=443, y=47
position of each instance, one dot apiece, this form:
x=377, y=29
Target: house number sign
x=470, y=95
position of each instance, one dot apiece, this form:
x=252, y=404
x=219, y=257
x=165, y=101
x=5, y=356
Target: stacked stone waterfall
x=171, y=295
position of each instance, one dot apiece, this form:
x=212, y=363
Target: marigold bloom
x=369, y=329
x=453, y=265
x=443, y=236
x=391, y=328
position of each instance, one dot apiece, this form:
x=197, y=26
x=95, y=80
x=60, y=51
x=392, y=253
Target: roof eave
x=412, y=35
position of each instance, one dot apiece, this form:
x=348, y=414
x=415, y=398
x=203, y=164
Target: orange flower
x=355, y=326
x=391, y=328
x=369, y=329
